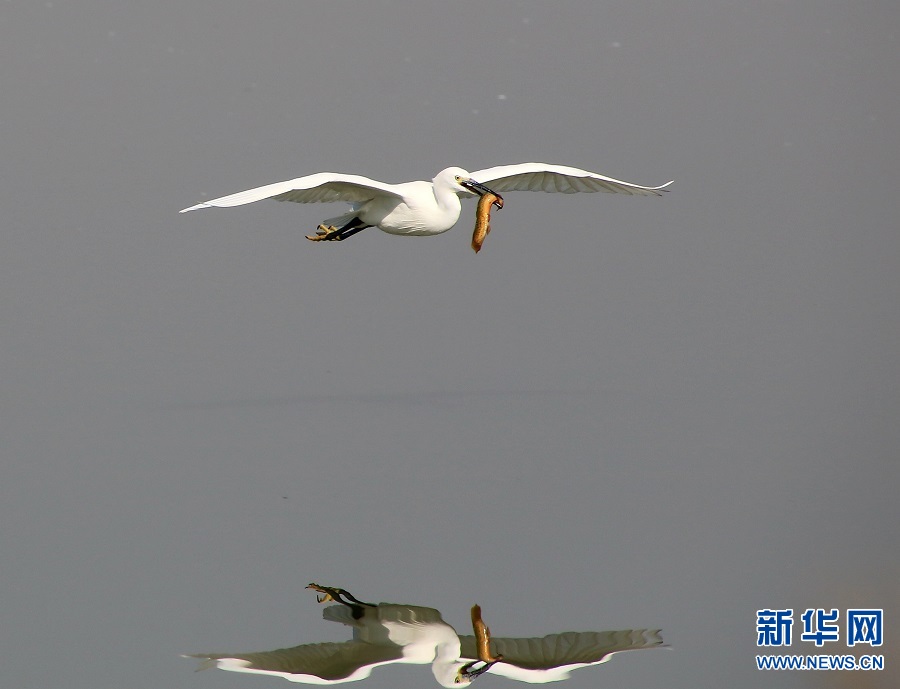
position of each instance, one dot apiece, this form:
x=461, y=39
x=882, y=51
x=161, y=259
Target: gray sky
x=624, y=412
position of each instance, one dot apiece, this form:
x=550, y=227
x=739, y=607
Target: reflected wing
x=322, y=187
x=557, y=178
x=535, y=659
x=323, y=663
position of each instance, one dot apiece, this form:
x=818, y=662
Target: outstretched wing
x=322, y=187
x=557, y=178
x=550, y=658
x=323, y=663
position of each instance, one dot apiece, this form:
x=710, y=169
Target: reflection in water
x=389, y=633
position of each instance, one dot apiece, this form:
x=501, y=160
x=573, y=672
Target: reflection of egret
x=389, y=633
x=421, y=208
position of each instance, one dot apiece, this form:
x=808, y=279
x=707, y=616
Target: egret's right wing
x=322, y=663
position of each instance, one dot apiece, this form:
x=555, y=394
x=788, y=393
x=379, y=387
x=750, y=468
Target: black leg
x=338, y=595
x=337, y=234
x=351, y=228
x=349, y=596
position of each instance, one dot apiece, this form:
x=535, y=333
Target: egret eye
x=458, y=178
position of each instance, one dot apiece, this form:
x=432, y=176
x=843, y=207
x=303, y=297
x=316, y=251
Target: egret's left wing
x=321, y=187
x=550, y=658
x=321, y=663
x=557, y=178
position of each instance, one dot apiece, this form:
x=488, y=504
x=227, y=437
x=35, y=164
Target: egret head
x=450, y=674
x=461, y=182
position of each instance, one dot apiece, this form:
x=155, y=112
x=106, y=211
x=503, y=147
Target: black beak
x=480, y=189
x=469, y=672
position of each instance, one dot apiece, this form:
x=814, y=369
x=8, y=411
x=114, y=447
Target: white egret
x=422, y=208
x=390, y=633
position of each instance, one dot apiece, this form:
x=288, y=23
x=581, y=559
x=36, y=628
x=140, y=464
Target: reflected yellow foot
x=328, y=593
x=325, y=234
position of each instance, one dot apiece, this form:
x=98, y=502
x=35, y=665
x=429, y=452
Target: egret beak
x=468, y=672
x=481, y=190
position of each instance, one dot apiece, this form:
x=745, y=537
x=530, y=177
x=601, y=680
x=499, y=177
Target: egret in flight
x=389, y=633
x=422, y=208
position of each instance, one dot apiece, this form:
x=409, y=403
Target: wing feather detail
x=558, y=178
x=322, y=187
x=331, y=662
x=569, y=648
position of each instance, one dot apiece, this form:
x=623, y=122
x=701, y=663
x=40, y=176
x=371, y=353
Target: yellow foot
x=325, y=234
x=328, y=593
